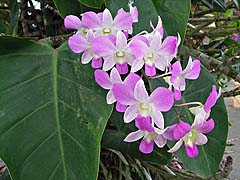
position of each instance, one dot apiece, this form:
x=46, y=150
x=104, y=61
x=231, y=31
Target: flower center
x=149, y=58
x=120, y=57
x=190, y=137
x=145, y=109
x=150, y=136
x=83, y=31
x=107, y=31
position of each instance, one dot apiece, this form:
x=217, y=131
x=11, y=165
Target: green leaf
x=174, y=14
x=14, y=11
x=210, y=155
x=237, y=3
x=216, y=5
x=114, y=139
x=52, y=113
x=92, y=3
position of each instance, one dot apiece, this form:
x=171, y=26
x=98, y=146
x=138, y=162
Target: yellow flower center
x=106, y=31
x=149, y=59
x=190, y=137
x=120, y=57
x=145, y=109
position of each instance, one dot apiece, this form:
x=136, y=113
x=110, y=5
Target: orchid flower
x=179, y=76
x=73, y=22
x=191, y=136
x=149, y=134
x=119, y=53
x=157, y=54
x=78, y=44
x=158, y=28
x=235, y=37
x=106, y=82
x=140, y=103
x=104, y=24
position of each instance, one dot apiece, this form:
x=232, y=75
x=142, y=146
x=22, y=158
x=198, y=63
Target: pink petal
x=211, y=100
x=72, y=22
x=130, y=113
x=169, y=46
x=91, y=20
x=122, y=68
x=156, y=41
x=144, y=123
x=77, y=43
x=150, y=70
x=176, y=146
x=138, y=48
x=162, y=98
x=124, y=94
x=110, y=97
x=120, y=107
x=102, y=79
x=146, y=147
x=177, y=94
x=192, y=152
x=160, y=141
x=103, y=46
x=96, y=62
x=123, y=21
x=200, y=139
x=176, y=71
x=134, y=136
x=134, y=13
x=107, y=18
x=181, y=129
x=157, y=118
x=169, y=132
x=108, y=63
x=140, y=92
x=137, y=65
x=115, y=76
x=131, y=80
x=87, y=56
x=159, y=27
x=195, y=70
x=121, y=42
x=207, y=126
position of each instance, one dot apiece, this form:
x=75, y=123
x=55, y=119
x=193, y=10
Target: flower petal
x=87, y=56
x=160, y=141
x=195, y=70
x=122, y=68
x=144, y=123
x=124, y=94
x=181, y=129
x=150, y=70
x=110, y=97
x=177, y=94
x=96, y=62
x=207, y=126
x=162, y=98
x=211, y=100
x=192, y=152
x=103, y=46
x=121, y=42
x=156, y=41
x=72, y=22
x=91, y=20
x=131, y=80
x=137, y=65
x=138, y=48
x=115, y=76
x=107, y=18
x=157, y=118
x=77, y=43
x=169, y=132
x=120, y=107
x=169, y=46
x=200, y=139
x=102, y=79
x=176, y=71
x=134, y=136
x=176, y=146
x=140, y=92
x=108, y=63
x=130, y=113
x=146, y=147
x=134, y=13
x=122, y=21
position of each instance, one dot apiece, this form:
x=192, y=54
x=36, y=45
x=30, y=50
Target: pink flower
x=157, y=54
x=78, y=44
x=106, y=82
x=179, y=76
x=149, y=134
x=191, y=136
x=140, y=103
x=235, y=37
x=73, y=22
x=103, y=24
x=117, y=53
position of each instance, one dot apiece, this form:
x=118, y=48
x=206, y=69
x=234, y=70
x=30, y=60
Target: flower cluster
x=105, y=42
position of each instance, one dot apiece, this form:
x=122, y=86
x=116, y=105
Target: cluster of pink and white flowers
x=105, y=42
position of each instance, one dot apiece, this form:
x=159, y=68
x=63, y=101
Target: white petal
x=137, y=65
x=130, y=113
x=157, y=118
x=108, y=64
x=176, y=146
x=110, y=97
x=200, y=139
x=160, y=141
x=140, y=92
x=134, y=136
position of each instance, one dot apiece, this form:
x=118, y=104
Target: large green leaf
x=114, y=139
x=92, y=3
x=174, y=14
x=207, y=162
x=52, y=113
